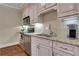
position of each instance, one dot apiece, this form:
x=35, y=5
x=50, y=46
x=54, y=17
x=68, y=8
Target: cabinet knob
x=64, y=48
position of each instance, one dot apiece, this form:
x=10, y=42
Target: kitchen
x=45, y=29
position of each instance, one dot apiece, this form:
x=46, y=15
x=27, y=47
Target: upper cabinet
x=49, y=5
x=42, y=6
x=36, y=9
x=66, y=9
x=25, y=12
x=45, y=7
x=31, y=14
x=34, y=13
x=36, y=18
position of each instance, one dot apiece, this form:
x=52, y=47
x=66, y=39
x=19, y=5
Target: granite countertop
x=37, y=35
x=71, y=42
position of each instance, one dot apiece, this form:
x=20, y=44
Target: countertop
x=71, y=42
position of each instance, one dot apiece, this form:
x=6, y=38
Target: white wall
x=10, y=20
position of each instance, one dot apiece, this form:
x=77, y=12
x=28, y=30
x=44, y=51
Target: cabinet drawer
x=60, y=53
x=63, y=47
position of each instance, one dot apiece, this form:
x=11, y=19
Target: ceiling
x=18, y=6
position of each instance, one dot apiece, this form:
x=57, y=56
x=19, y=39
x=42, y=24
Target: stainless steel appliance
x=25, y=43
x=31, y=29
x=26, y=20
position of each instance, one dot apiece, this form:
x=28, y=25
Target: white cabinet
x=76, y=51
x=31, y=13
x=25, y=12
x=65, y=9
x=34, y=44
x=44, y=51
x=77, y=7
x=63, y=49
x=42, y=6
x=40, y=49
x=35, y=10
x=49, y=5
x=34, y=13
x=46, y=7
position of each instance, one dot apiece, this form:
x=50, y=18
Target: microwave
x=26, y=20
x=31, y=29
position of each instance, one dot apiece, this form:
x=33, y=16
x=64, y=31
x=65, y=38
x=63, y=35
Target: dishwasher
x=25, y=43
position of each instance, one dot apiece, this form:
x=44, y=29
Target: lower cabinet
x=58, y=52
x=76, y=51
x=45, y=47
x=44, y=51
x=34, y=50
x=62, y=49
x=34, y=47
x=39, y=49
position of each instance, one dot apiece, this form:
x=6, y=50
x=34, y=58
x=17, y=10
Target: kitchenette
x=50, y=29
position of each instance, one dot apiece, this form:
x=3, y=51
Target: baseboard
x=9, y=44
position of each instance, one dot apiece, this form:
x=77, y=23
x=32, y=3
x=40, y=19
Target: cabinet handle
x=64, y=48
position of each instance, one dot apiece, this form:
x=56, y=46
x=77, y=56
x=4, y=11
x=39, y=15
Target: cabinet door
x=31, y=13
x=77, y=7
x=42, y=6
x=25, y=13
x=34, y=50
x=66, y=9
x=48, y=5
x=35, y=10
x=44, y=51
x=34, y=43
x=39, y=49
x=76, y=51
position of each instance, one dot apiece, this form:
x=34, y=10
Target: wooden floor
x=12, y=51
